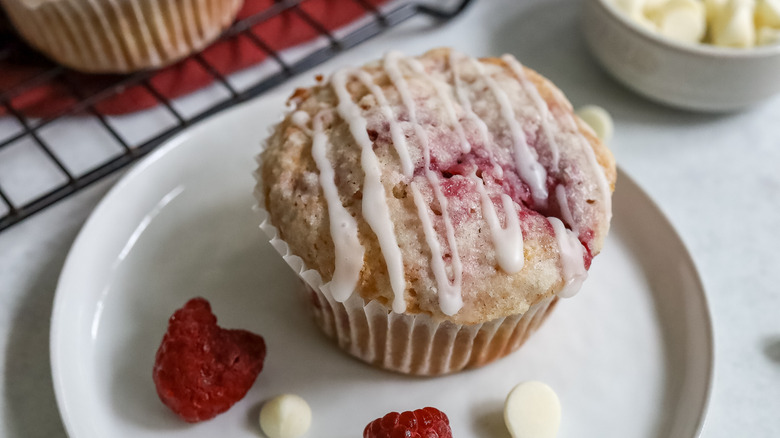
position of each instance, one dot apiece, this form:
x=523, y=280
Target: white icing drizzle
x=563, y=203
x=601, y=176
x=508, y=241
x=375, y=208
x=463, y=99
x=397, y=134
x=343, y=228
x=532, y=91
x=572, y=261
x=465, y=103
x=454, y=301
x=533, y=173
x=541, y=105
x=452, y=298
x=444, y=96
x=344, y=279
x=393, y=71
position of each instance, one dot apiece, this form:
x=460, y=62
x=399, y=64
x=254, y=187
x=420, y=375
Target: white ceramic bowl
x=693, y=77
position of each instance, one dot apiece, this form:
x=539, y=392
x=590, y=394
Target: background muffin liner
x=120, y=36
x=407, y=343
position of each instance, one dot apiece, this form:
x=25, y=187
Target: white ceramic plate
x=630, y=356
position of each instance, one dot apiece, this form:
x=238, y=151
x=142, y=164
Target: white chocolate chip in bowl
x=630, y=7
x=681, y=20
x=724, y=23
x=696, y=76
x=285, y=416
x=714, y=8
x=768, y=13
x=635, y=10
x=655, y=4
x=734, y=26
x=599, y=120
x=532, y=410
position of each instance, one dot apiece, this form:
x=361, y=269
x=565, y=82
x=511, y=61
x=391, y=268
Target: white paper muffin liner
x=120, y=36
x=407, y=343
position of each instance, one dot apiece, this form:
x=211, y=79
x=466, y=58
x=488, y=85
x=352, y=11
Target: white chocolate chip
x=715, y=9
x=767, y=35
x=599, y=119
x=768, y=13
x=682, y=20
x=734, y=27
x=532, y=410
x=285, y=416
x=630, y=7
x=645, y=22
x=633, y=9
x=655, y=4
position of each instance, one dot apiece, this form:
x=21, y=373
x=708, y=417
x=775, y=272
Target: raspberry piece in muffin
x=201, y=369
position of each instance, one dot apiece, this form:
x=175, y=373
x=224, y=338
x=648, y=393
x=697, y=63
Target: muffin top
x=462, y=188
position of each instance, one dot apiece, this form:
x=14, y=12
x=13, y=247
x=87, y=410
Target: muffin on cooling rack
x=106, y=36
x=436, y=206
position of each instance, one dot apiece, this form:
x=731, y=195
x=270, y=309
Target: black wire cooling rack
x=37, y=136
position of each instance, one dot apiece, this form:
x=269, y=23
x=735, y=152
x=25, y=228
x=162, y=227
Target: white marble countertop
x=716, y=177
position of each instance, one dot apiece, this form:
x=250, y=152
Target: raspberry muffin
x=436, y=206
x=102, y=36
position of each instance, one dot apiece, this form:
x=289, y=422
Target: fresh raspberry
x=421, y=423
x=201, y=369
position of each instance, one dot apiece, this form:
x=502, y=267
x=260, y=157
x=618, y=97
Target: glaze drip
x=444, y=96
x=450, y=294
x=606, y=197
x=397, y=134
x=541, y=106
x=343, y=227
x=563, y=204
x=375, y=209
x=533, y=173
x=507, y=240
x=463, y=99
x=452, y=291
x=572, y=258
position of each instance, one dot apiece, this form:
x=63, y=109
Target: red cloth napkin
x=288, y=29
